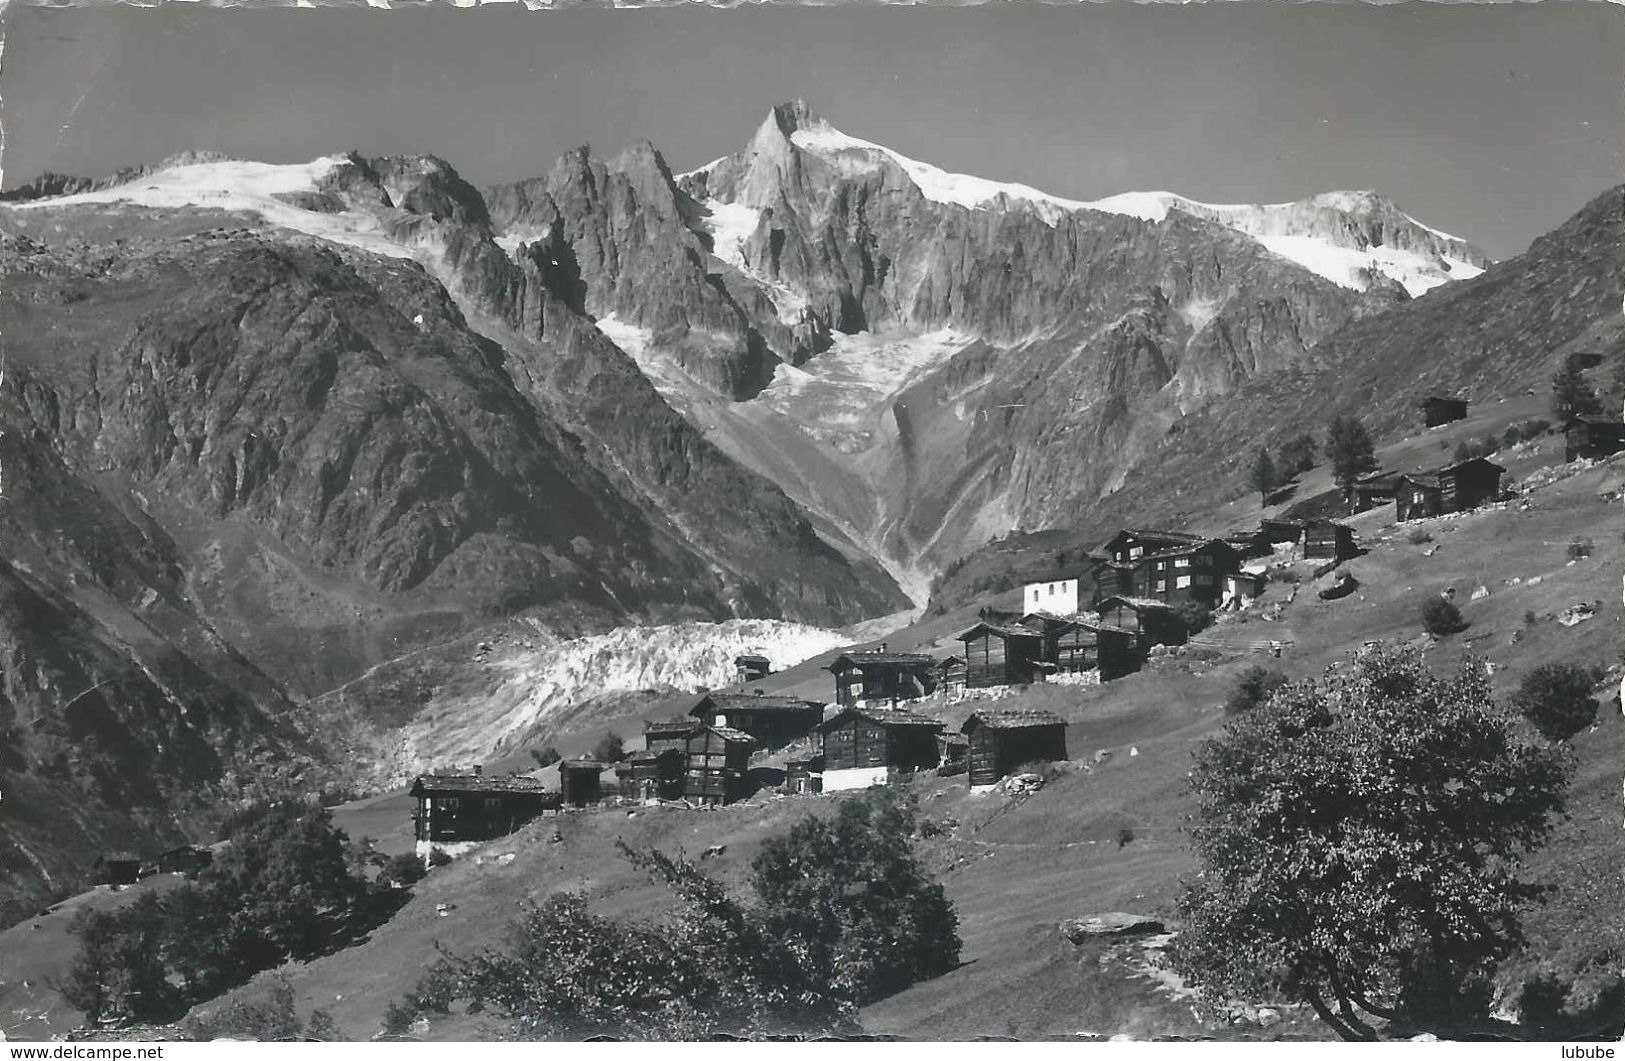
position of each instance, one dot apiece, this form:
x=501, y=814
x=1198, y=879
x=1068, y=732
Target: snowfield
x=530, y=685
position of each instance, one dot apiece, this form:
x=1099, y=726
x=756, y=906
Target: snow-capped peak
x=1348, y=237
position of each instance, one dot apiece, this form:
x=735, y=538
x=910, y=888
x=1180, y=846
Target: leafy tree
x=1557, y=698
x=269, y=1018
x=1441, y=617
x=286, y=882
x=1298, y=455
x=1262, y=475
x=849, y=891
x=195, y=926
x=1359, y=838
x=546, y=757
x=118, y=974
x=610, y=748
x=1258, y=683
x=1350, y=450
x=404, y=870
x=1572, y=394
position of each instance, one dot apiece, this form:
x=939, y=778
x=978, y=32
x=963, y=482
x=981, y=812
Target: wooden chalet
x=188, y=858
x=773, y=720
x=951, y=672
x=718, y=762
x=1592, y=438
x=1437, y=410
x=1457, y=487
x=1152, y=622
x=668, y=734
x=581, y=782
x=646, y=775
x=1075, y=644
x=477, y=806
x=881, y=677
x=1003, y=654
x=868, y=746
x=1371, y=491
x=1001, y=741
x=751, y=667
x=118, y=868
x=1281, y=531
x=1248, y=543
x=1325, y=539
x=804, y=775
x=1182, y=567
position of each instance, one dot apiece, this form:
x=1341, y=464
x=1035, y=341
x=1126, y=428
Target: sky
x=1494, y=123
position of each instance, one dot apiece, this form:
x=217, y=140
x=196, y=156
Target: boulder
x=1022, y=784
x=1109, y=925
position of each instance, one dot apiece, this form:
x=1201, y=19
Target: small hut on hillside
x=1152, y=622
x=751, y=667
x=647, y=775
x=460, y=807
x=188, y=858
x=773, y=720
x=581, y=781
x=718, y=762
x=1002, y=740
x=1003, y=654
x=118, y=868
x=867, y=746
x=1437, y=410
x=1457, y=487
x=1325, y=539
x=878, y=676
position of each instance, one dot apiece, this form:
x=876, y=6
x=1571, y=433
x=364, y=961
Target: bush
x=271, y=1018
x=1579, y=548
x=1530, y=618
x=1419, y=537
x=1125, y=836
x=546, y=757
x=1441, y=617
x=1556, y=698
x=1258, y=683
x=402, y=871
x=1193, y=616
x=438, y=858
x=610, y=748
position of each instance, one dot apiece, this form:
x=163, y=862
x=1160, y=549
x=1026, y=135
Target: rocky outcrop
x=1109, y=926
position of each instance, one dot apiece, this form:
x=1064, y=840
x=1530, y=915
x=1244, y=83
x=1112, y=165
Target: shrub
x=1125, y=836
x=438, y=858
x=1419, y=537
x=1579, y=548
x=1298, y=455
x=546, y=757
x=1257, y=684
x=1530, y=618
x=1441, y=617
x=1350, y=450
x=1193, y=616
x=404, y=870
x=1365, y=906
x=269, y=1018
x=1556, y=698
x=610, y=748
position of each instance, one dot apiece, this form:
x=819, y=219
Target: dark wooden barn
x=459, y=807
x=1457, y=487
x=1002, y=741
x=118, y=868
x=1186, y=572
x=951, y=672
x=1371, y=491
x=581, y=782
x=1592, y=438
x=751, y=667
x=1003, y=654
x=188, y=858
x=882, y=677
x=1325, y=539
x=1075, y=644
x=1248, y=543
x=1437, y=410
x=1152, y=622
x=773, y=720
x=804, y=775
x=1281, y=531
x=718, y=760
x=1126, y=564
x=663, y=734
x=866, y=746
x=647, y=775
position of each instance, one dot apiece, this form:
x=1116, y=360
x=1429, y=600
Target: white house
x=1057, y=597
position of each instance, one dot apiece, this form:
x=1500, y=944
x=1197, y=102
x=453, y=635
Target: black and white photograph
x=1082, y=523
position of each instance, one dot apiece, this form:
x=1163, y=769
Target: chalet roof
x=669, y=726
x=1065, y=574
x=582, y=764
x=951, y=661
x=1012, y=718
x=1139, y=604
x=1103, y=628
x=882, y=716
x=752, y=658
x=1000, y=630
x=1322, y=521
x=1439, y=398
x=1459, y=465
x=455, y=784
x=1595, y=421
x=1173, y=536
x=1279, y=521
x=737, y=701
x=1184, y=550
x=896, y=659
x=1377, y=478
x=727, y=733
x=120, y=856
x=187, y=848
